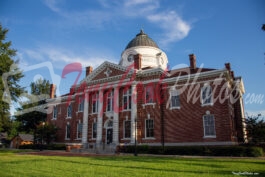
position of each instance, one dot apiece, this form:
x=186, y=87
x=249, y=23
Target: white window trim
x=170, y=94
x=202, y=89
x=145, y=101
x=77, y=130
x=111, y=97
x=127, y=94
x=55, y=117
x=145, y=137
x=148, y=104
x=97, y=103
x=69, y=117
x=80, y=103
x=66, y=131
x=208, y=136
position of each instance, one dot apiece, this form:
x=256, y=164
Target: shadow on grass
x=147, y=164
x=123, y=167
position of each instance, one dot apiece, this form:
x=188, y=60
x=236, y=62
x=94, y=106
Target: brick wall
x=180, y=125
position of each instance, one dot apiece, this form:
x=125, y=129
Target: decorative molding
x=108, y=72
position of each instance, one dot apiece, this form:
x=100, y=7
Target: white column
x=116, y=116
x=100, y=115
x=133, y=113
x=85, y=121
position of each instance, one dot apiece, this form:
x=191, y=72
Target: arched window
x=209, y=125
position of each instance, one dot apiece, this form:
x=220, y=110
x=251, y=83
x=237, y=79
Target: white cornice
x=151, y=71
x=196, y=75
x=241, y=84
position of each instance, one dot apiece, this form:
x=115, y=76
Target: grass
x=13, y=164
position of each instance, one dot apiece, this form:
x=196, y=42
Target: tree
x=32, y=112
x=255, y=129
x=10, y=75
x=46, y=133
x=41, y=88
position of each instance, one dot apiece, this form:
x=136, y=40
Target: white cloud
x=175, y=28
x=137, y=2
x=61, y=57
x=53, y=5
x=91, y=18
x=139, y=8
x=34, y=54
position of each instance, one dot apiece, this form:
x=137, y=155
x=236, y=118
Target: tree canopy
x=32, y=111
x=10, y=75
x=255, y=129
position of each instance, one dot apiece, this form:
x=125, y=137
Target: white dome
x=152, y=56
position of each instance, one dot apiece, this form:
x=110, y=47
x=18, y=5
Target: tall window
x=81, y=104
x=68, y=131
x=149, y=128
x=127, y=99
x=206, y=95
x=69, y=110
x=55, y=112
x=110, y=101
x=175, y=103
x=127, y=129
x=149, y=94
x=79, y=130
x=95, y=103
x=209, y=126
x=94, y=130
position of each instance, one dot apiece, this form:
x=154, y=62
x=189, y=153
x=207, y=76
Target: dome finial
x=141, y=31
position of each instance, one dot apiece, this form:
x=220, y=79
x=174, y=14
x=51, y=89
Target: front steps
x=97, y=149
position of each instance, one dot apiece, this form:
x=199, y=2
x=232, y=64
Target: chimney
x=137, y=61
x=52, y=90
x=89, y=70
x=227, y=66
x=192, y=61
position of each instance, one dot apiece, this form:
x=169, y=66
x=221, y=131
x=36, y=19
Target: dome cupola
x=141, y=39
x=151, y=55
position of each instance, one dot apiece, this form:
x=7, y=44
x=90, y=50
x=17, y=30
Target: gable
x=106, y=70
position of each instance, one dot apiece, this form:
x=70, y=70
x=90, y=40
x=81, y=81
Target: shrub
x=39, y=146
x=238, y=151
x=56, y=147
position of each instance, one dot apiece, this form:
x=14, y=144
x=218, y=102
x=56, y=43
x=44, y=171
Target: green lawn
x=12, y=164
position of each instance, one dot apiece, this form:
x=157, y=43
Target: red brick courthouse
x=140, y=99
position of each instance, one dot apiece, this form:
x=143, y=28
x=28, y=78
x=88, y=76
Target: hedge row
x=46, y=147
x=237, y=151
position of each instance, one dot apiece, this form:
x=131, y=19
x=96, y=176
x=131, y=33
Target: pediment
x=106, y=70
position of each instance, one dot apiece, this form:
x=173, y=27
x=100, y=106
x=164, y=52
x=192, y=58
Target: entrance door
x=109, y=135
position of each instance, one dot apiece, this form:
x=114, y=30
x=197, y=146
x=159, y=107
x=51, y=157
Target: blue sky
x=50, y=34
